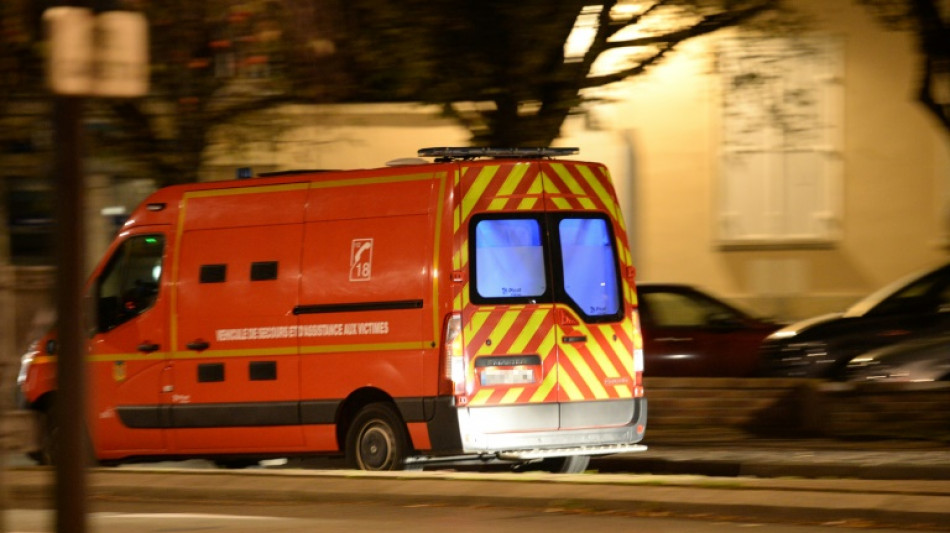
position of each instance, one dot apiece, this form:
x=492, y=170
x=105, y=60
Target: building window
x=30, y=211
x=781, y=142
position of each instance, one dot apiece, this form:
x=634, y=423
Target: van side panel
x=235, y=368
x=368, y=294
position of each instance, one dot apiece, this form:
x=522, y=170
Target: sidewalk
x=805, y=458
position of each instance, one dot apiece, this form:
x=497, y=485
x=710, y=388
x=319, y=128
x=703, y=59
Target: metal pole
x=70, y=452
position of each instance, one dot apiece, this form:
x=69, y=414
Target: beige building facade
x=794, y=195
x=843, y=189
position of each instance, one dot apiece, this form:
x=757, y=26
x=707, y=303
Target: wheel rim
x=376, y=447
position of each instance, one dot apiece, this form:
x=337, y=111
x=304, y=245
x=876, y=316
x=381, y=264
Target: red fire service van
x=478, y=308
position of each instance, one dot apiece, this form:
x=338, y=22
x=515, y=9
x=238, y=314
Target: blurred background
x=790, y=157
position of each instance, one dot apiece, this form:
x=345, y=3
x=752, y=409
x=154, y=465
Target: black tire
x=574, y=464
x=377, y=439
x=49, y=436
x=235, y=464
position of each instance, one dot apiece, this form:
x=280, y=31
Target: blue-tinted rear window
x=510, y=259
x=590, y=268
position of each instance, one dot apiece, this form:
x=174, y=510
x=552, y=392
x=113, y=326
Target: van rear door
x=548, y=310
x=509, y=328
x=594, y=296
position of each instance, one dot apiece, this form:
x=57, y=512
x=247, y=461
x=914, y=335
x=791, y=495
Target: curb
x=730, y=468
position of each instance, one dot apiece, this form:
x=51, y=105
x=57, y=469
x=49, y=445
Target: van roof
x=449, y=153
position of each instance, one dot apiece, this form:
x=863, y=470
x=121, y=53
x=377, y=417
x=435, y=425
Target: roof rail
x=275, y=173
x=448, y=153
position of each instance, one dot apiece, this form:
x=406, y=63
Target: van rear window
x=590, y=269
x=510, y=258
x=567, y=257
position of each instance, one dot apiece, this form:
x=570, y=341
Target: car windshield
x=907, y=294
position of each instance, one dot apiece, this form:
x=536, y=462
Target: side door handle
x=574, y=338
x=148, y=347
x=198, y=345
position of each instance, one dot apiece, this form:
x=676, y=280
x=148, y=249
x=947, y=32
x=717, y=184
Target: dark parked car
x=919, y=359
x=687, y=332
x=821, y=347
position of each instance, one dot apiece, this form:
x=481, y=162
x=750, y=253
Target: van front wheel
x=377, y=439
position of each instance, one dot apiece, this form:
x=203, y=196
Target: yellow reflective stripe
x=209, y=193
x=630, y=292
x=536, y=188
x=436, y=249
x=473, y=327
x=481, y=397
x=530, y=329
x=477, y=188
x=623, y=354
x=411, y=345
x=464, y=252
x=214, y=354
x=600, y=191
x=625, y=257
x=568, y=385
x=508, y=187
x=368, y=180
x=550, y=380
x=561, y=203
x=512, y=395
x=623, y=391
x=554, y=194
x=573, y=186
x=547, y=344
x=110, y=357
x=504, y=324
x=600, y=356
x=590, y=379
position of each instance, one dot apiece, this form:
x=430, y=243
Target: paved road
x=912, y=503
x=119, y=517
x=901, y=483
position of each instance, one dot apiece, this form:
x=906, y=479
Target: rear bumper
x=522, y=432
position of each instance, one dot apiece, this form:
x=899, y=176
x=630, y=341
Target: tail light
x=637, y=358
x=454, y=360
x=638, y=373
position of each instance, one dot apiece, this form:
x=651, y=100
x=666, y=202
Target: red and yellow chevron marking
x=601, y=368
x=513, y=330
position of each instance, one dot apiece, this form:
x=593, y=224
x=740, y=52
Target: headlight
x=25, y=361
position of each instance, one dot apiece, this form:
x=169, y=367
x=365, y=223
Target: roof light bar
x=468, y=152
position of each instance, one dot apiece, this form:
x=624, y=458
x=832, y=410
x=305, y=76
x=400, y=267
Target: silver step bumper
x=528, y=455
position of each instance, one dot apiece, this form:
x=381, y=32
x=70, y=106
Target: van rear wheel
x=377, y=439
x=574, y=464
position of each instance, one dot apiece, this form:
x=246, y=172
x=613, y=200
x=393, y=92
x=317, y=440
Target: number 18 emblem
x=361, y=259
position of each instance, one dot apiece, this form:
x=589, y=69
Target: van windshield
x=566, y=258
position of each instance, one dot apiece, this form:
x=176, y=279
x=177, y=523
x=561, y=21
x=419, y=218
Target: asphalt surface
x=897, y=484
